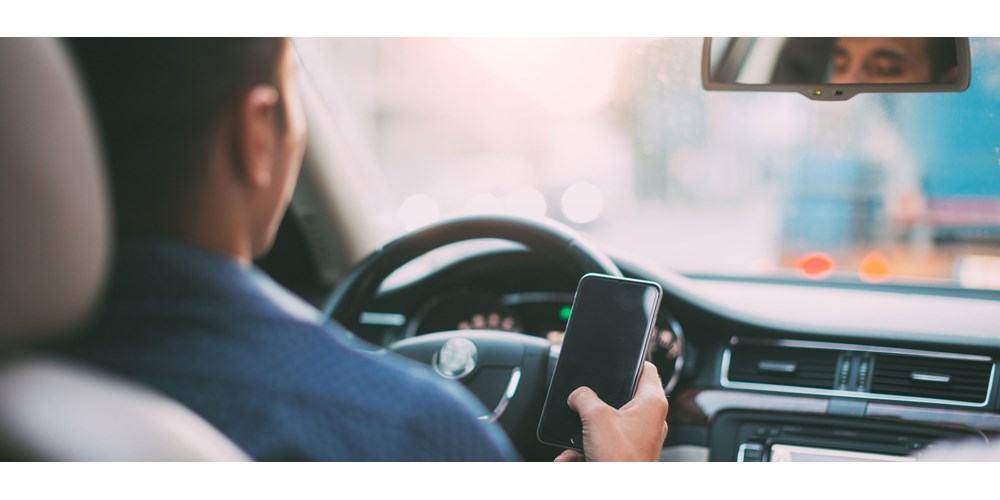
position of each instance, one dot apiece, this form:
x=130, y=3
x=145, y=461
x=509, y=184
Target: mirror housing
x=836, y=69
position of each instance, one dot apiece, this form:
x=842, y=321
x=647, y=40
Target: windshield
x=618, y=139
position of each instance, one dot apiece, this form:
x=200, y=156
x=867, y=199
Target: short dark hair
x=157, y=102
x=943, y=55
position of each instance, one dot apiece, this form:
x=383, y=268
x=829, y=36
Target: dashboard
x=540, y=313
x=755, y=371
x=534, y=313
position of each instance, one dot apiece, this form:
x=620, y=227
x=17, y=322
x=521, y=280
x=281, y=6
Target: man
x=894, y=60
x=204, y=140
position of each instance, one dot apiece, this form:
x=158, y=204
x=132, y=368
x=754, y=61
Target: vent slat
x=813, y=368
x=928, y=387
x=970, y=379
x=951, y=373
x=973, y=371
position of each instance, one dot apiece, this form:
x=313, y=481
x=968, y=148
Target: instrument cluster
x=540, y=314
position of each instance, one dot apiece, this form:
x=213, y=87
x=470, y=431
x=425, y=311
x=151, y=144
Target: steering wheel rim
x=548, y=237
x=529, y=359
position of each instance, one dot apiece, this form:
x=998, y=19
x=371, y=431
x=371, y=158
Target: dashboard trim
x=712, y=402
x=730, y=384
x=382, y=319
x=741, y=453
x=808, y=344
x=518, y=298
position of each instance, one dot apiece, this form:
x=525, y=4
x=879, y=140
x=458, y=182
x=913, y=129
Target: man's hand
x=633, y=433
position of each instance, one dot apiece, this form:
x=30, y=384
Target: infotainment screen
x=790, y=453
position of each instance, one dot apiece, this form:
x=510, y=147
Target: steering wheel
x=508, y=372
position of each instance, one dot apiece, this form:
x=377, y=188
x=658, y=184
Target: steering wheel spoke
x=490, y=363
x=506, y=371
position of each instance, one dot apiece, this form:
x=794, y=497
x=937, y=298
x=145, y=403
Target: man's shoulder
x=247, y=354
x=376, y=396
x=440, y=418
x=393, y=384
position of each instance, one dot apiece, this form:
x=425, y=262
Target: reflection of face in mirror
x=893, y=60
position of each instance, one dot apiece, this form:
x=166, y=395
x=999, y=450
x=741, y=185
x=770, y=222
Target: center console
x=748, y=436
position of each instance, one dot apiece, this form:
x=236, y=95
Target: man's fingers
x=649, y=392
x=649, y=381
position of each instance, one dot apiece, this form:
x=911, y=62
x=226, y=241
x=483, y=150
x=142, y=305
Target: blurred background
x=617, y=138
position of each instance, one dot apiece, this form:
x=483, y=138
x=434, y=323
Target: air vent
x=931, y=377
x=858, y=371
x=780, y=365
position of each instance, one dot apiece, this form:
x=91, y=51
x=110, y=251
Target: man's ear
x=259, y=135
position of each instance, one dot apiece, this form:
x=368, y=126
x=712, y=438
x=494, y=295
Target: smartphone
x=606, y=341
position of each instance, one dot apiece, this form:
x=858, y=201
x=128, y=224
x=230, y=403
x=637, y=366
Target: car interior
x=862, y=331
x=55, y=254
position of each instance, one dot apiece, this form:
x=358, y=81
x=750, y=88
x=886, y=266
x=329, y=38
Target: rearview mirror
x=836, y=69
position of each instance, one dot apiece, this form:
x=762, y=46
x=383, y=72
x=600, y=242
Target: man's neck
x=219, y=240
x=215, y=220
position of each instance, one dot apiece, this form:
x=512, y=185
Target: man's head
x=196, y=133
x=894, y=60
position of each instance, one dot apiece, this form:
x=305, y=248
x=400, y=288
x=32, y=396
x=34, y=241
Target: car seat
x=54, y=253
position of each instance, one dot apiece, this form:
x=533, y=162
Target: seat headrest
x=54, y=215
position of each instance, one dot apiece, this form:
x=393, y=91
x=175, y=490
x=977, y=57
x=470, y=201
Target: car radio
x=756, y=437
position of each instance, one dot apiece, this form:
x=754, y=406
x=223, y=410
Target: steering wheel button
x=456, y=358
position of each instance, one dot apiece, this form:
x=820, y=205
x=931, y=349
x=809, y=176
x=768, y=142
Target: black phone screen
x=604, y=346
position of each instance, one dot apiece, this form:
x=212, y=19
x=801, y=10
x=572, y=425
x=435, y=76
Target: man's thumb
x=584, y=400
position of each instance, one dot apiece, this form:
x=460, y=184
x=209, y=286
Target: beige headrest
x=51, y=409
x=54, y=219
